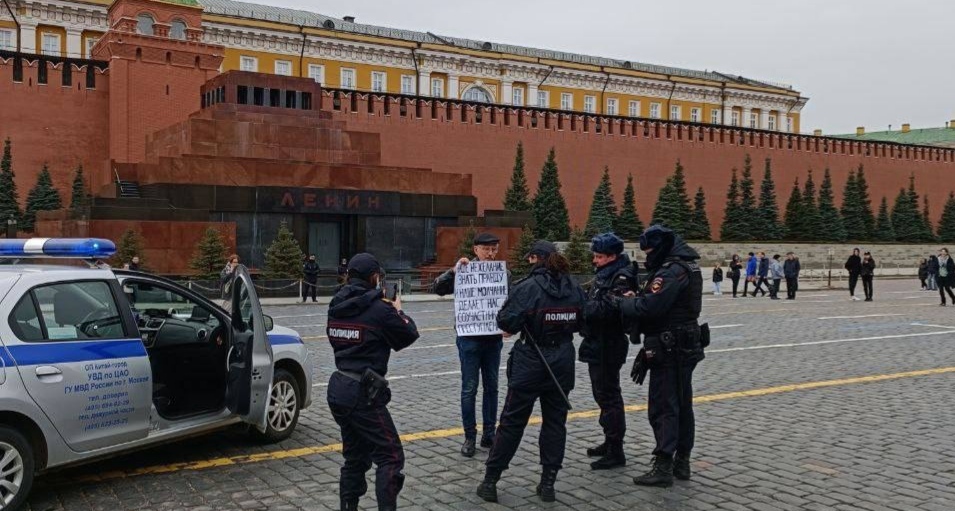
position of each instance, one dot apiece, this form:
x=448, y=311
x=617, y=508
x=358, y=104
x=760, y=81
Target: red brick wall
x=62, y=126
x=487, y=152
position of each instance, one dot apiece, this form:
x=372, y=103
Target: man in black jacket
x=363, y=329
x=605, y=345
x=666, y=313
x=854, y=267
x=791, y=270
x=762, y=272
x=310, y=271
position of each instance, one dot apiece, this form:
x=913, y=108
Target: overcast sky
x=865, y=63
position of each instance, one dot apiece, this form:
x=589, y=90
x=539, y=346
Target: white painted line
x=933, y=326
x=862, y=316
x=725, y=326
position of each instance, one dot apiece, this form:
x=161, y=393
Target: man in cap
x=604, y=348
x=666, y=313
x=363, y=328
x=480, y=356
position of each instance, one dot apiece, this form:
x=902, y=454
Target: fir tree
x=130, y=244
x=883, y=225
x=906, y=220
x=43, y=197
x=829, y=219
x=629, y=226
x=9, y=201
x=517, y=264
x=929, y=229
x=552, y=221
x=209, y=257
x=865, y=203
x=946, y=226
x=768, y=214
x=699, y=226
x=78, y=198
x=466, y=245
x=284, y=257
x=851, y=210
x=794, y=220
x=577, y=253
x=747, y=223
x=603, y=209
x=673, y=204
x=731, y=219
x=517, y=196
x=812, y=226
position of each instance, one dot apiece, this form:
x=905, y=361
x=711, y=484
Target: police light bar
x=76, y=248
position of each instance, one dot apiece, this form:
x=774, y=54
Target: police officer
x=363, y=329
x=545, y=308
x=310, y=270
x=604, y=348
x=666, y=313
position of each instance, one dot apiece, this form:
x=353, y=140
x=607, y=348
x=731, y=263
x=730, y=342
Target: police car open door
x=250, y=354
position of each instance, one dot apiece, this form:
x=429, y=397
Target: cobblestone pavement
x=815, y=404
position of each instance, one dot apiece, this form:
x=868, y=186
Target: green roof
x=923, y=136
x=190, y=3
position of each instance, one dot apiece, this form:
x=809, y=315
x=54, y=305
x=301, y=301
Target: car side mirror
x=269, y=323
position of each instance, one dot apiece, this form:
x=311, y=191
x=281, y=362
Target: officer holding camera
x=666, y=312
x=363, y=328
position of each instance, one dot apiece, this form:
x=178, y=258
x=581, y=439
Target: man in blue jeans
x=479, y=355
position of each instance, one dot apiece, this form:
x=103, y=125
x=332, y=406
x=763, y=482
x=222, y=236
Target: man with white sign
x=478, y=297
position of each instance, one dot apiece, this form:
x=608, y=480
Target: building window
x=634, y=109
x=566, y=101
x=675, y=113
x=771, y=123
x=90, y=43
x=735, y=118
x=714, y=116
x=437, y=87
x=316, y=72
x=694, y=115
x=407, y=84
x=590, y=104
x=789, y=124
x=6, y=40
x=379, y=81
x=611, y=106
x=51, y=44
x=517, y=96
x=477, y=94
x=348, y=78
x=283, y=67
x=177, y=30
x=543, y=99
x=248, y=64
x=753, y=120
x=655, y=110
x=144, y=24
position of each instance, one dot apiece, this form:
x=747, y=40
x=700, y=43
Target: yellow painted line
x=434, y=329
x=452, y=432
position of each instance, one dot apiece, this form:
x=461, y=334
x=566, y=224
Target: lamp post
x=830, y=269
x=11, y=227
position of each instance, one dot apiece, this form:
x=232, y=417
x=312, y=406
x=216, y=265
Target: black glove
x=639, y=370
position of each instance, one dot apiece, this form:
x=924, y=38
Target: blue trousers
x=480, y=358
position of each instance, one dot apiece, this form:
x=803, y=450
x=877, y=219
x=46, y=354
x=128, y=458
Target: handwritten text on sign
x=480, y=288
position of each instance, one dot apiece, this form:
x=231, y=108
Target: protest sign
x=480, y=288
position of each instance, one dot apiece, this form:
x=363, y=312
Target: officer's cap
x=363, y=265
x=655, y=237
x=607, y=243
x=541, y=249
x=486, y=238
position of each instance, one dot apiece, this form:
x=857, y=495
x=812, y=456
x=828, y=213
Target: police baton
x=547, y=366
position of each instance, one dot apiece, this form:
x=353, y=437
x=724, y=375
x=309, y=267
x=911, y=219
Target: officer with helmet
x=666, y=314
x=604, y=348
x=363, y=329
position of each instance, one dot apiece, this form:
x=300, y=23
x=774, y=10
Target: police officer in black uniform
x=363, y=329
x=604, y=348
x=546, y=309
x=666, y=313
x=310, y=270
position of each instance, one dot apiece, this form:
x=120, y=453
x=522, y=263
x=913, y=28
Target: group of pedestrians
x=760, y=271
x=937, y=273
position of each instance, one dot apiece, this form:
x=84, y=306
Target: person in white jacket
x=776, y=272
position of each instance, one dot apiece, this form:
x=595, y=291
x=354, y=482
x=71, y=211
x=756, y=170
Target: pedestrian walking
x=932, y=268
x=225, y=276
x=791, y=271
x=762, y=274
x=673, y=343
x=717, y=279
x=545, y=309
x=363, y=329
x=604, y=347
x=133, y=264
x=480, y=358
x=923, y=272
x=343, y=271
x=777, y=273
x=736, y=267
x=752, y=264
x=854, y=266
x=310, y=270
x=867, y=271
x=946, y=275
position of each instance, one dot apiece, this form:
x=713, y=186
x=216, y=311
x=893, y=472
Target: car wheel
x=16, y=468
x=285, y=402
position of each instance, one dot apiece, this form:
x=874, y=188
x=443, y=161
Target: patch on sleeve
x=656, y=285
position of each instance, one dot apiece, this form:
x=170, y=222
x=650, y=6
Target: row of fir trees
x=42, y=197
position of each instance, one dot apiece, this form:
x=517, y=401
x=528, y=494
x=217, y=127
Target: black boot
x=349, y=505
x=596, y=452
x=386, y=507
x=660, y=475
x=681, y=466
x=467, y=448
x=487, y=439
x=545, y=490
x=487, y=490
x=612, y=459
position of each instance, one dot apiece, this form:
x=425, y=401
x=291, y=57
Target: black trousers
x=605, y=382
x=670, y=409
x=309, y=288
x=853, y=280
x=942, y=288
x=735, y=286
x=517, y=411
x=792, y=285
x=368, y=436
x=867, y=286
x=774, y=288
x=759, y=285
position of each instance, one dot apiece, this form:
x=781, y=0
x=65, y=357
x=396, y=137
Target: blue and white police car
x=96, y=361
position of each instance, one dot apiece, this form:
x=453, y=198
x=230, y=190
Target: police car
x=95, y=362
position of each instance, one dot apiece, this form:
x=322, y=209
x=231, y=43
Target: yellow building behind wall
x=343, y=54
